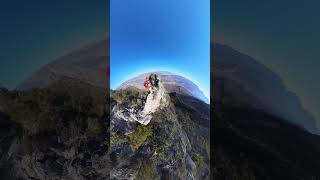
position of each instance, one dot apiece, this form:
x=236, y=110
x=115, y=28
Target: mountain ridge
x=172, y=83
x=88, y=64
x=240, y=80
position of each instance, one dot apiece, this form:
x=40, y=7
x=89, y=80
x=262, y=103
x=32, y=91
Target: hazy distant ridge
x=172, y=83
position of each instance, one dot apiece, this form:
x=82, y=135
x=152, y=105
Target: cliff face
x=173, y=145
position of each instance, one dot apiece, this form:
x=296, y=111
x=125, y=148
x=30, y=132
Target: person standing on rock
x=147, y=84
x=151, y=83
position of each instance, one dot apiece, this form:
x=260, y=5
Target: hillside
x=251, y=144
x=240, y=80
x=260, y=129
x=58, y=132
x=88, y=64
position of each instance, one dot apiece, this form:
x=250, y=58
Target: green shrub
x=199, y=160
x=117, y=96
x=139, y=136
x=115, y=140
x=32, y=110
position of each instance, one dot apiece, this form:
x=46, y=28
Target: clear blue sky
x=284, y=35
x=148, y=35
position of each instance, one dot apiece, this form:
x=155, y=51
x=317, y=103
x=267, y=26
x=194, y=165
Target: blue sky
x=160, y=35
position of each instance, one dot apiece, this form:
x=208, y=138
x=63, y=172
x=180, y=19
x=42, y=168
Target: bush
x=139, y=136
x=199, y=160
x=115, y=140
x=32, y=110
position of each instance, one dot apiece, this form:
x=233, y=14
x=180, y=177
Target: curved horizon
x=192, y=87
x=202, y=88
x=151, y=36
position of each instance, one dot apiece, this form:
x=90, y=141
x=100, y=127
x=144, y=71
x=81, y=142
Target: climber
x=145, y=84
x=151, y=82
x=153, y=78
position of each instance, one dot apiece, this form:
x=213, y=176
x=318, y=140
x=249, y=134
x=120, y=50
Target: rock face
x=155, y=100
x=175, y=144
x=239, y=80
x=171, y=82
x=88, y=64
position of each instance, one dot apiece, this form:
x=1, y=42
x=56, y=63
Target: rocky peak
x=174, y=144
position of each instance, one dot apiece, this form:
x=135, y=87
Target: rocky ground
x=174, y=145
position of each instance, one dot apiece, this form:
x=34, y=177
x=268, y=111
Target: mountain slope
x=243, y=82
x=260, y=130
x=251, y=144
x=58, y=132
x=88, y=64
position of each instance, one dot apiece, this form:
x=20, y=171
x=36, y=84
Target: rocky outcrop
x=173, y=145
x=155, y=100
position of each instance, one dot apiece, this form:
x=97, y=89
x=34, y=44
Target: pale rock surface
x=156, y=99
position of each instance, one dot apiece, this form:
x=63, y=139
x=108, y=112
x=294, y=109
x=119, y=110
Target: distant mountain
x=88, y=64
x=172, y=83
x=241, y=81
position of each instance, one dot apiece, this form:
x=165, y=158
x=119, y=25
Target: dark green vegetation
x=174, y=145
x=130, y=97
x=56, y=132
x=139, y=136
